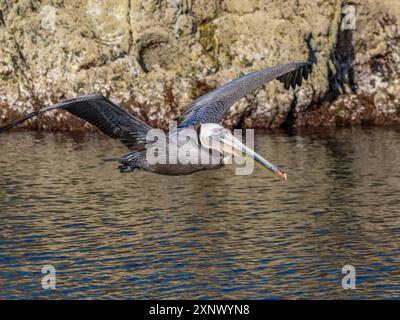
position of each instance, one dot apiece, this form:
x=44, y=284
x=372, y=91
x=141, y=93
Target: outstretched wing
x=108, y=117
x=211, y=107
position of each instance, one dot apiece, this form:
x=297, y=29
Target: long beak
x=232, y=145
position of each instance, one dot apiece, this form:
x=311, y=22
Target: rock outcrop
x=154, y=57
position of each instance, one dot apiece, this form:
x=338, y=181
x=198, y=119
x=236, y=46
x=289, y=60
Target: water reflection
x=207, y=235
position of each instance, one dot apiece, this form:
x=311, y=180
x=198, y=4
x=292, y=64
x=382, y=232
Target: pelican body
x=198, y=133
x=140, y=159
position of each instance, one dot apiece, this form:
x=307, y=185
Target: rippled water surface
x=208, y=235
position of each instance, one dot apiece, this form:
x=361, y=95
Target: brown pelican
x=197, y=131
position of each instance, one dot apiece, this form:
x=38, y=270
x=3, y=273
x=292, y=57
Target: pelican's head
x=214, y=136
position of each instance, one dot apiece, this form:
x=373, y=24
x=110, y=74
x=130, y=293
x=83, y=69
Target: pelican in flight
x=201, y=118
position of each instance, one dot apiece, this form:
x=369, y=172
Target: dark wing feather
x=211, y=107
x=108, y=117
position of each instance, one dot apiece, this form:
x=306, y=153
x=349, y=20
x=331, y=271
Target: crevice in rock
x=130, y=39
x=290, y=119
x=342, y=57
x=141, y=61
x=2, y=21
x=291, y=116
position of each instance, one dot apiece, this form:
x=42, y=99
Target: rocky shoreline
x=154, y=57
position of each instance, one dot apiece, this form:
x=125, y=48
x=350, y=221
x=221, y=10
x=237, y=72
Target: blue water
x=208, y=235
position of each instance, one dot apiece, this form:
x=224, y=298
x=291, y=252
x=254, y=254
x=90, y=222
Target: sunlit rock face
x=363, y=70
x=154, y=57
